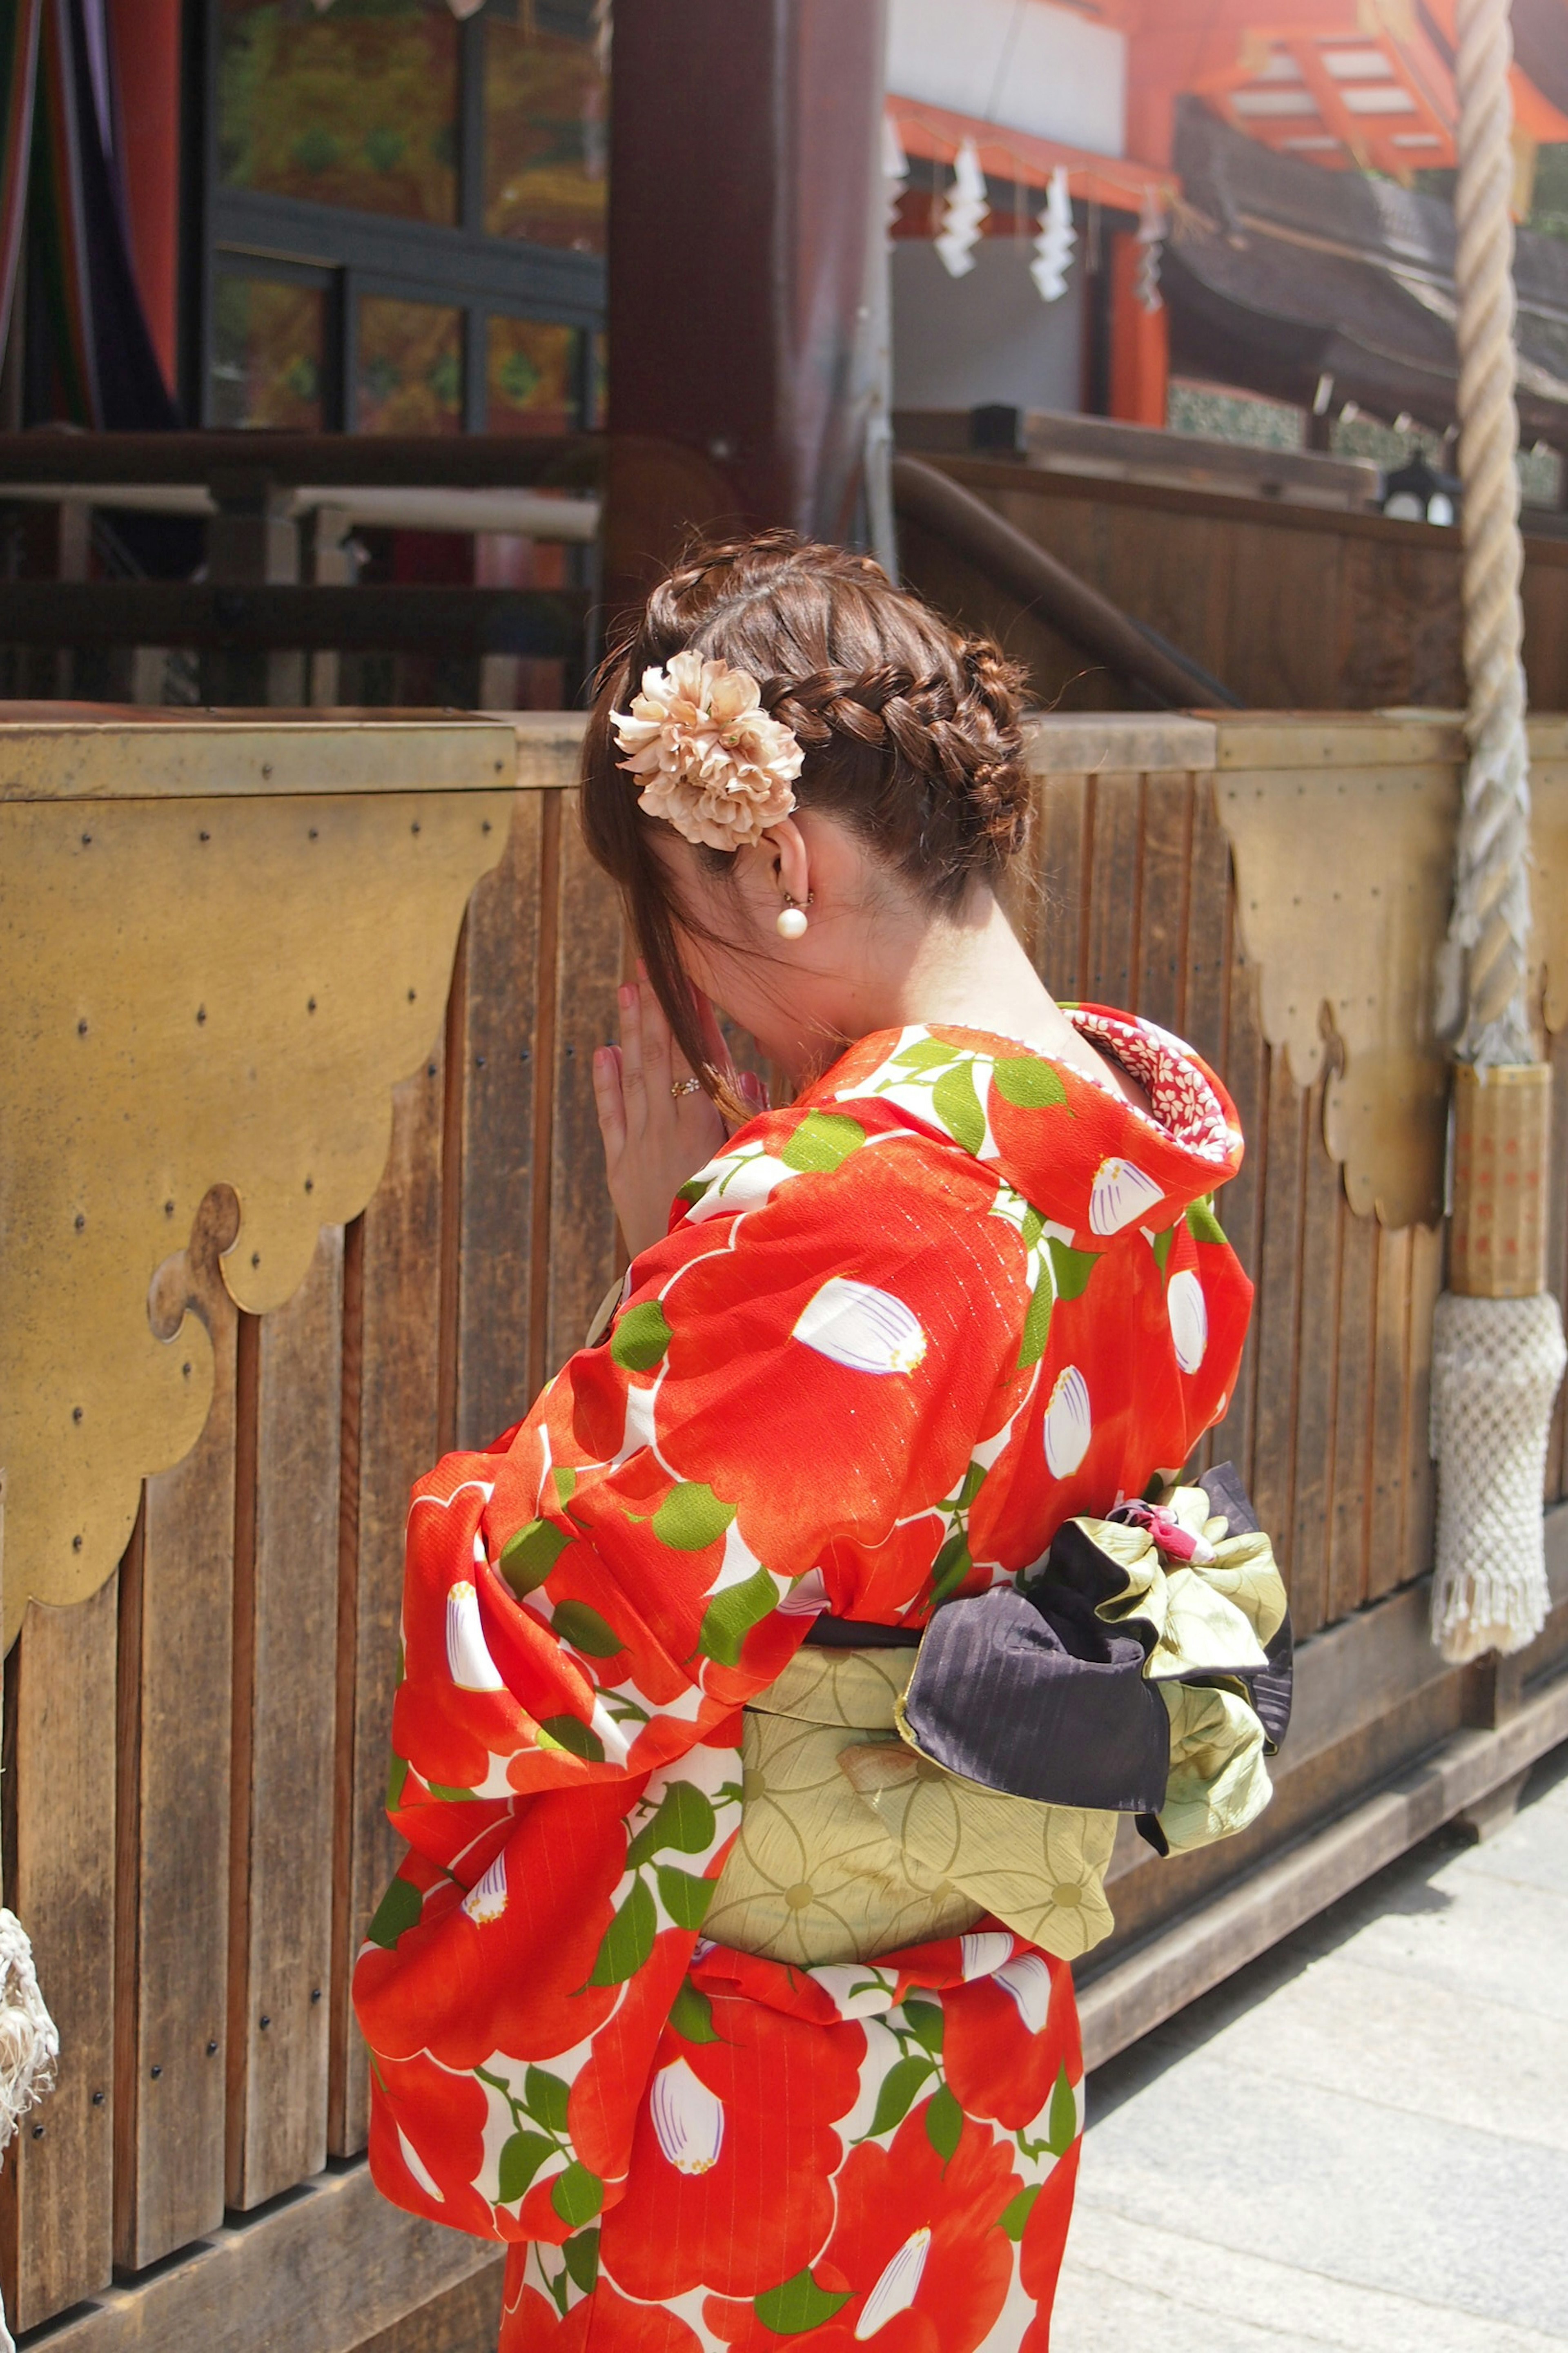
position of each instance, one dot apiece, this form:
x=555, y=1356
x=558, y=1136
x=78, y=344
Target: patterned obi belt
x=893, y=1796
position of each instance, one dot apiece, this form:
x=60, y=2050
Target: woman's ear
x=791, y=862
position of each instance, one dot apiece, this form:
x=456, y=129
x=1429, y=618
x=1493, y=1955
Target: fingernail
x=626, y=996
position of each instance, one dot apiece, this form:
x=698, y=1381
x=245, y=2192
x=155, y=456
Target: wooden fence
x=1289, y=606
x=197, y=1755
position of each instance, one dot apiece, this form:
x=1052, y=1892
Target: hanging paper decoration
x=1151, y=240
x=895, y=169
x=1057, y=236
x=964, y=214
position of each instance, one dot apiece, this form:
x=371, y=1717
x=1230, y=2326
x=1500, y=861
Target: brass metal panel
x=1549, y=883
x=549, y=747
x=1343, y=880
x=118, y=756
x=1084, y=745
x=1308, y=739
x=199, y=991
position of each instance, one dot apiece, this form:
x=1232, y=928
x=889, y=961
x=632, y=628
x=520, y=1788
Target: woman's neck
x=970, y=971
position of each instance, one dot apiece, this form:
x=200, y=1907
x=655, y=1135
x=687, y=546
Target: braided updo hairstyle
x=911, y=733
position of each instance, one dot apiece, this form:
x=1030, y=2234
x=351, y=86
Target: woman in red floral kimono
x=679, y=1990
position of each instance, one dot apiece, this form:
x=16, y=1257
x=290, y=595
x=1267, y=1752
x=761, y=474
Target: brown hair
x=911, y=732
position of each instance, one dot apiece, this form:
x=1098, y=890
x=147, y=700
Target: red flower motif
x=732, y=2160
x=426, y=2143
x=1007, y=2039
x=602, y=2117
x=899, y=1363
x=531, y=2324
x=918, y=2254
x=1044, y=2243
x=505, y=1965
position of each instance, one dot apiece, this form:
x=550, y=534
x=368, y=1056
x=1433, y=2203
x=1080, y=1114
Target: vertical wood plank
x=1209, y=924
x=392, y=1282
x=588, y=951
x=56, y=2191
x=1276, y=1310
x=1556, y=1483
x=1317, y=1370
x=1351, y=1506
x=1385, y=1542
x=1240, y=1204
x=1283, y=625
x=176, y=1721
x=1116, y=862
x=1427, y=1255
x=1062, y=920
x=286, y=1627
x=1160, y=986
x=501, y=1049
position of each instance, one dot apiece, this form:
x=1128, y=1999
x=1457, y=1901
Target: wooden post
x=1140, y=341
x=55, y=542
x=744, y=148
x=253, y=537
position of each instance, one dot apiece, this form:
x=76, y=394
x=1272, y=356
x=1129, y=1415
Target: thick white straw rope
x=1483, y=1011
x=1497, y=1363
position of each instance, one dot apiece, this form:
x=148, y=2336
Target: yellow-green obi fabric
x=853, y=1844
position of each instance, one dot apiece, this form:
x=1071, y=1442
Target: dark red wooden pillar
x=745, y=160
x=146, y=34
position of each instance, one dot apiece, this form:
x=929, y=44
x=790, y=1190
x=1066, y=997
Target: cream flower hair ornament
x=710, y=761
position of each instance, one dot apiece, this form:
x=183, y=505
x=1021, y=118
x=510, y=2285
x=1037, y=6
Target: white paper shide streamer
x=1151, y=246
x=965, y=213
x=1057, y=238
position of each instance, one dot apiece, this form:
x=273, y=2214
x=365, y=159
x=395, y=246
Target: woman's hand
x=655, y=1138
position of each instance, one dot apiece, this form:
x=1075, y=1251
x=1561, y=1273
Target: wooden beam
x=392, y=460
x=328, y=2268
x=396, y=619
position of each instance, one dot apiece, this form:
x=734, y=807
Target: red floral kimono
x=897, y=1335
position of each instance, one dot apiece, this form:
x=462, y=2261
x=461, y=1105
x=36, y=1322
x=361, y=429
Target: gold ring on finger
x=680, y=1087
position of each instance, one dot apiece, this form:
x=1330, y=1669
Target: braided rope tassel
x=1482, y=1009
x=1497, y=1360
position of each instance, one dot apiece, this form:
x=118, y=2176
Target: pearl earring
x=791, y=921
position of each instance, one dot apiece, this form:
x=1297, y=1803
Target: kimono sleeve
x=586, y=1610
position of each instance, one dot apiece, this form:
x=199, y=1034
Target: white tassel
x=1496, y=1367
x=29, y=2040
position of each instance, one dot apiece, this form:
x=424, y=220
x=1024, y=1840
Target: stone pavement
x=1359, y=2142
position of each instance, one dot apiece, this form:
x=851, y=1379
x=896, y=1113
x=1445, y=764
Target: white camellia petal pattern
x=1119, y=1196
x=897, y=2287
x=486, y=1900
x=981, y=1951
x=468, y=1660
x=687, y=2119
x=807, y=1597
x=737, y=1185
x=1189, y=1314
x=420, y=2170
x=1029, y=1981
x=865, y=1329
x=1069, y=1424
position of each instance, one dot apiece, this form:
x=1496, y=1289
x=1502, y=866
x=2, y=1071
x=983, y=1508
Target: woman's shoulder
x=867, y=1149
